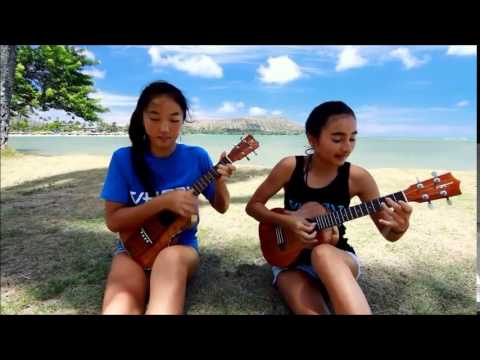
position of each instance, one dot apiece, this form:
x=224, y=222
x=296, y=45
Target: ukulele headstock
x=246, y=145
x=438, y=187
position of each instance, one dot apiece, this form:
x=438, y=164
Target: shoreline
x=18, y=170
x=389, y=138
x=72, y=134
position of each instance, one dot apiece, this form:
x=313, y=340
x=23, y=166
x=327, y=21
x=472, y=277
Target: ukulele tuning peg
x=436, y=179
x=445, y=194
x=419, y=184
x=247, y=158
x=430, y=205
x=254, y=152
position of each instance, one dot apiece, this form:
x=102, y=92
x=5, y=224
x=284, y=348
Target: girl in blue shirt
x=152, y=175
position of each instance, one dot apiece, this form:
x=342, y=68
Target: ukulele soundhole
x=166, y=217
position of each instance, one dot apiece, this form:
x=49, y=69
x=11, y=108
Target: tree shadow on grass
x=222, y=287
x=56, y=249
x=55, y=246
x=225, y=288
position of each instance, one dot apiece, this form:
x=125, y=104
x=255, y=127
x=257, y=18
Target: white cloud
x=412, y=121
x=415, y=130
x=120, y=117
x=90, y=55
x=463, y=103
x=216, y=87
x=118, y=113
x=408, y=60
x=196, y=65
x=276, y=112
x=279, y=70
x=313, y=58
x=462, y=50
x=403, y=113
x=349, y=58
x=220, y=53
x=96, y=73
x=115, y=100
x=230, y=107
x=201, y=65
x=120, y=107
x=256, y=111
x=223, y=54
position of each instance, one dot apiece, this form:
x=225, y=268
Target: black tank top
x=333, y=197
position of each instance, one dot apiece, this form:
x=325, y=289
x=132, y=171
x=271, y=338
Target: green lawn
x=56, y=251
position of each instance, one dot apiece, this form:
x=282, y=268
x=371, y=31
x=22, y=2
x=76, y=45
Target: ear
x=311, y=140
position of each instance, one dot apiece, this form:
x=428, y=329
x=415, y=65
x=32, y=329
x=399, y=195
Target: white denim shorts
x=309, y=270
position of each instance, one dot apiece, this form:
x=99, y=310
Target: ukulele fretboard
x=338, y=217
x=202, y=183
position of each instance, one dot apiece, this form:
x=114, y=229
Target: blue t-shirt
x=180, y=170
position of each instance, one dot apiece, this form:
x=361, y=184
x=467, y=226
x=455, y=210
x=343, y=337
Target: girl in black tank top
x=333, y=197
x=328, y=269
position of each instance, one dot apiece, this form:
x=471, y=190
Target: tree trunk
x=7, y=77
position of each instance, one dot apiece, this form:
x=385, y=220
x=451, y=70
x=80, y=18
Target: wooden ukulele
x=164, y=229
x=281, y=248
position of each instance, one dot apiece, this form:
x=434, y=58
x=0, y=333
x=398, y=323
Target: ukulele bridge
x=281, y=241
x=145, y=236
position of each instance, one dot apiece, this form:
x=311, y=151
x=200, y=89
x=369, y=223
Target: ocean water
x=430, y=154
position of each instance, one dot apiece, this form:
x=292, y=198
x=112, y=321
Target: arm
x=256, y=208
x=122, y=218
x=221, y=199
x=277, y=178
x=392, y=222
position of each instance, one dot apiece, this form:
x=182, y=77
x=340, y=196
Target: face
x=163, y=119
x=336, y=140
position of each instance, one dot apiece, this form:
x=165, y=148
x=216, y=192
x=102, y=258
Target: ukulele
x=280, y=247
x=164, y=229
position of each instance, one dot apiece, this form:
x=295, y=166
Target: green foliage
x=50, y=77
x=58, y=126
x=9, y=152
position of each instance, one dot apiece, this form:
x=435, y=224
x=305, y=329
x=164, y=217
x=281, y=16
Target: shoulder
x=360, y=180
x=284, y=168
x=358, y=173
x=122, y=159
x=122, y=153
x=190, y=154
x=193, y=150
x=287, y=163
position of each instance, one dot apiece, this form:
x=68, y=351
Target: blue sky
x=394, y=90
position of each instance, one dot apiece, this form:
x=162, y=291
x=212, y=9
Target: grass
x=56, y=250
x=9, y=152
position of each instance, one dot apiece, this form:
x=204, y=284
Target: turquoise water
x=431, y=154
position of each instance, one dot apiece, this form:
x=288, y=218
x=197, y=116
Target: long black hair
x=136, y=129
x=319, y=116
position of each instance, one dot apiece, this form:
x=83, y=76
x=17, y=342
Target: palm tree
x=7, y=71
